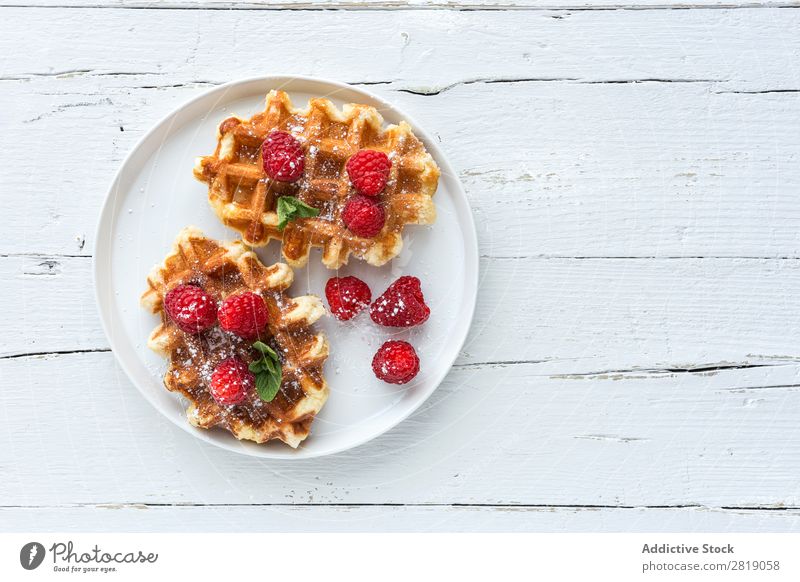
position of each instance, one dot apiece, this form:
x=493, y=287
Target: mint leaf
x=265, y=349
x=268, y=372
x=272, y=366
x=291, y=208
x=257, y=366
x=268, y=385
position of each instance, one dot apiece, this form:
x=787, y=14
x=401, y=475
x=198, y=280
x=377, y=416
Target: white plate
x=154, y=195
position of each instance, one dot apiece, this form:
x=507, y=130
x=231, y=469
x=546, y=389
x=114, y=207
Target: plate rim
x=105, y=310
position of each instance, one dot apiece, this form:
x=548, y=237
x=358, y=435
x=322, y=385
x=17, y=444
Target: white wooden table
x=634, y=171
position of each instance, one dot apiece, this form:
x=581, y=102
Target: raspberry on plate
x=368, y=171
x=283, y=157
x=363, y=217
x=192, y=309
x=347, y=296
x=396, y=362
x=401, y=305
x=231, y=381
x=244, y=314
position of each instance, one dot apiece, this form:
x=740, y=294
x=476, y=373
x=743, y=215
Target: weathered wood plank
x=76, y=432
x=580, y=315
x=597, y=170
x=142, y=518
x=584, y=167
x=421, y=49
x=515, y=5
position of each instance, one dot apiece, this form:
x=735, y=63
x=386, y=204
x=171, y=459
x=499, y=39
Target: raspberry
x=396, y=362
x=368, y=171
x=244, y=314
x=192, y=309
x=283, y=156
x=347, y=296
x=401, y=305
x=363, y=217
x=231, y=381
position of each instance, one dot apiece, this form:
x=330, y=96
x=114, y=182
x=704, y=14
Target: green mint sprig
x=291, y=208
x=268, y=372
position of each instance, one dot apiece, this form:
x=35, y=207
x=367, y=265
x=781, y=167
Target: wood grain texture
x=421, y=50
x=491, y=434
x=577, y=316
x=511, y=5
x=669, y=171
x=633, y=363
x=686, y=162
x=320, y=518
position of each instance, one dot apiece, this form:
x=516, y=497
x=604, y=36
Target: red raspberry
x=401, y=305
x=369, y=171
x=347, y=296
x=283, y=156
x=231, y=381
x=363, y=217
x=192, y=309
x=396, y=362
x=244, y=314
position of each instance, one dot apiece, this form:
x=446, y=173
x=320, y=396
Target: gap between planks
x=400, y=86
x=397, y=85
x=398, y=6
x=655, y=372
x=497, y=506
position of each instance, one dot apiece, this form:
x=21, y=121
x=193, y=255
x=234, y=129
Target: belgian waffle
x=222, y=270
x=245, y=198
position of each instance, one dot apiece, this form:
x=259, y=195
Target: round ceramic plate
x=154, y=196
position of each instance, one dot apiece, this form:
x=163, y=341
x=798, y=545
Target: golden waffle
x=227, y=269
x=245, y=198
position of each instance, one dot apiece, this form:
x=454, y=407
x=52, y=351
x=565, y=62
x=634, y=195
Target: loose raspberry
x=368, y=171
x=244, y=314
x=283, y=156
x=363, y=217
x=231, y=381
x=401, y=305
x=347, y=296
x=396, y=362
x=192, y=309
